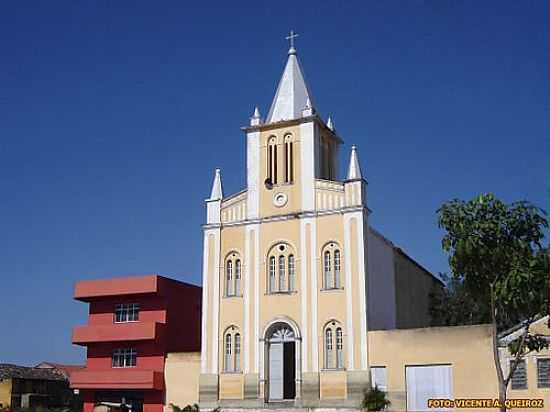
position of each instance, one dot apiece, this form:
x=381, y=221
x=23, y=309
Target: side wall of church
x=413, y=285
x=381, y=280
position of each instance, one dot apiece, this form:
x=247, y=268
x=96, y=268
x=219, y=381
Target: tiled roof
x=8, y=371
x=65, y=369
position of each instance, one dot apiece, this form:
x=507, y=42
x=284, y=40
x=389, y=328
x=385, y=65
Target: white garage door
x=428, y=382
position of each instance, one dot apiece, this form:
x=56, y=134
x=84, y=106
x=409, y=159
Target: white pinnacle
x=256, y=119
x=217, y=190
x=256, y=114
x=354, y=170
x=330, y=125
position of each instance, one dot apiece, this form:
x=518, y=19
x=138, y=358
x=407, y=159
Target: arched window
x=334, y=346
x=328, y=348
x=289, y=159
x=291, y=273
x=272, y=160
x=228, y=365
x=233, y=275
x=229, y=291
x=281, y=273
x=232, y=350
x=272, y=279
x=336, y=268
x=237, y=352
x=339, y=348
x=238, y=277
x=328, y=271
x=332, y=266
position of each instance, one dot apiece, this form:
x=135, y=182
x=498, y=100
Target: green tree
x=496, y=250
x=453, y=305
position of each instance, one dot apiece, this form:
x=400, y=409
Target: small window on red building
x=127, y=312
x=124, y=358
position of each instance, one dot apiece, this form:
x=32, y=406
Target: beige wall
x=181, y=374
x=5, y=393
x=466, y=348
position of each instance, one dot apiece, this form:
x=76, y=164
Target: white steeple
x=354, y=170
x=292, y=93
x=217, y=190
x=330, y=125
x=256, y=119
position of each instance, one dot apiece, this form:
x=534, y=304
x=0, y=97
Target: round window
x=280, y=199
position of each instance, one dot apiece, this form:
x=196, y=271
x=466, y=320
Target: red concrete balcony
x=121, y=378
x=89, y=290
x=117, y=332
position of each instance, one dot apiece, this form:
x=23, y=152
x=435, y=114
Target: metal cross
x=291, y=37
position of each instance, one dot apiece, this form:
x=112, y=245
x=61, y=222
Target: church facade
x=294, y=276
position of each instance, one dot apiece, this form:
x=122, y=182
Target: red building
x=133, y=323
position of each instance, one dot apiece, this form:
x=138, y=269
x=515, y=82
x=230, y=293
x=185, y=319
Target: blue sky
x=113, y=116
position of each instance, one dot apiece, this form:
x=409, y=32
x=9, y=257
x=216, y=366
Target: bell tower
x=290, y=149
x=284, y=265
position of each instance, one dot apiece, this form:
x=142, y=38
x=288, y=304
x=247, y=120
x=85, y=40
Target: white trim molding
x=204, y=334
x=215, y=275
x=349, y=291
x=253, y=174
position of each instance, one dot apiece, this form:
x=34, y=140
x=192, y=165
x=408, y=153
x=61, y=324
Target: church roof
x=292, y=94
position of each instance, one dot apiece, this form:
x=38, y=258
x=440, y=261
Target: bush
x=375, y=400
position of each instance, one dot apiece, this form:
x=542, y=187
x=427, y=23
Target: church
x=303, y=303
x=294, y=276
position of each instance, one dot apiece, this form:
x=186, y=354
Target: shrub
x=375, y=400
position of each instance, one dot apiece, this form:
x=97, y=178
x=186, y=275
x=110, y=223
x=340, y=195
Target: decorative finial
x=354, y=169
x=308, y=110
x=291, y=38
x=330, y=125
x=217, y=191
x=256, y=119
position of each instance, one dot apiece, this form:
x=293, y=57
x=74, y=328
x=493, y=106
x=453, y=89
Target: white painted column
x=215, y=276
x=307, y=162
x=298, y=356
x=304, y=287
x=257, y=260
x=253, y=174
x=362, y=228
x=246, y=297
x=205, y=306
x=314, y=292
x=349, y=291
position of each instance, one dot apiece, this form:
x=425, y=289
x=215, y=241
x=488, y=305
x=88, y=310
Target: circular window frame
x=280, y=199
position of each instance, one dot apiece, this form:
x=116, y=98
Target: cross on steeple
x=291, y=38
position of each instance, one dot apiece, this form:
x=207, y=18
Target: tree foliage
x=497, y=247
x=496, y=252
x=453, y=305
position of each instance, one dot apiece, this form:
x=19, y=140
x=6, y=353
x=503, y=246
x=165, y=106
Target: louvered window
x=519, y=378
x=543, y=372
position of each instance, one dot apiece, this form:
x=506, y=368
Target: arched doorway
x=281, y=361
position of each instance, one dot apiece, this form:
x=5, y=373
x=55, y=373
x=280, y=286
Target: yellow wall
x=333, y=384
x=181, y=374
x=466, y=348
x=5, y=393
